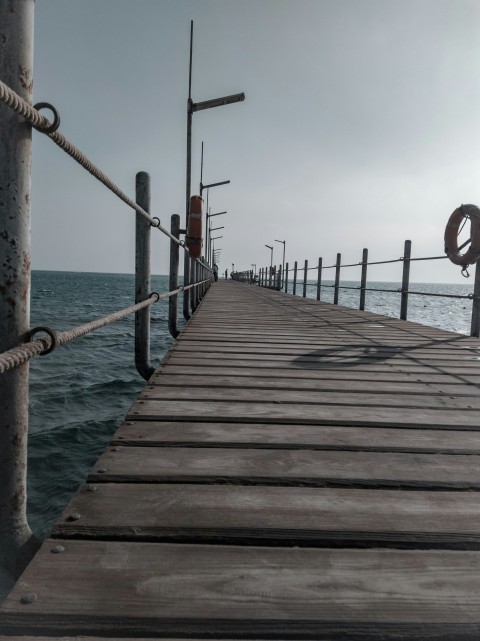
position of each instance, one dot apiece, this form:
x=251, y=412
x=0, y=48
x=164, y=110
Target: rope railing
x=46, y=344
x=42, y=124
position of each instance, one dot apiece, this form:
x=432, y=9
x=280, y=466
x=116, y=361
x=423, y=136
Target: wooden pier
x=293, y=470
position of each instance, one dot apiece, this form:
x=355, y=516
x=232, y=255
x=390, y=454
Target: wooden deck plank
x=270, y=412
x=287, y=467
x=210, y=381
x=164, y=372
x=294, y=516
x=390, y=439
x=235, y=394
x=154, y=588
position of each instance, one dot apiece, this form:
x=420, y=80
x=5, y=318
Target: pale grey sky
x=360, y=126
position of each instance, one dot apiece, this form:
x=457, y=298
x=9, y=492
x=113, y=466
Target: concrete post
x=17, y=543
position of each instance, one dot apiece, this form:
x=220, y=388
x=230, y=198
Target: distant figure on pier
x=226, y=274
x=215, y=271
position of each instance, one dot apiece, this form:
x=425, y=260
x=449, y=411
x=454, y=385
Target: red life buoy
x=451, y=235
x=194, y=232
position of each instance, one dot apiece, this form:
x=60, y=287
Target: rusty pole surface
x=363, y=282
x=475, y=321
x=173, y=278
x=143, y=287
x=319, y=279
x=337, y=279
x=405, y=279
x=17, y=543
x=305, y=276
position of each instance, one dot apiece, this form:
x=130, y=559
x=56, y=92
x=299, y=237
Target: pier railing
x=288, y=279
x=18, y=341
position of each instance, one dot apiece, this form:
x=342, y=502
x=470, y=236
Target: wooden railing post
x=286, y=278
x=319, y=279
x=363, y=282
x=305, y=274
x=475, y=324
x=295, y=267
x=337, y=278
x=405, y=279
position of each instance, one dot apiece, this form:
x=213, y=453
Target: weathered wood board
x=156, y=588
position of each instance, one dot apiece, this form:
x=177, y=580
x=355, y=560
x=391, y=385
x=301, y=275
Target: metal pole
x=405, y=279
x=279, y=279
x=295, y=266
x=475, y=325
x=17, y=543
x=173, y=279
x=192, y=280
x=319, y=279
x=363, y=282
x=337, y=278
x=305, y=274
x=286, y=278
x=143, y=287
x=186, y=262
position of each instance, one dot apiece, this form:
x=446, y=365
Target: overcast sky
x=360, y=128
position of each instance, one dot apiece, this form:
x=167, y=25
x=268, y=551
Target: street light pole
x=192, y=107
x=283, y=261
x=271, y=261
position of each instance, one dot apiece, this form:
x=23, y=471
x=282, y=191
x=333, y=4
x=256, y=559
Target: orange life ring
x=451, y=235
x=194, y=232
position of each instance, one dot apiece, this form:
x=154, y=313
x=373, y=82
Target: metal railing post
x=405, y=279
x=319, y=279
x=305, y=274
x=286, y=278
x=475, y=324
x=17, y=543
x=191, y=281
x=186, y=281
x=143, y=287
x=295, y=267
x=337, y=278
x=363, y=282
x=173, y=278
x=279, y=279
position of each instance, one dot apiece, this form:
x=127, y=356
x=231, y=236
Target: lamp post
x=271, y=261
x=208, y=230
x=283, y=261
x=193, y=107
x=213, y=244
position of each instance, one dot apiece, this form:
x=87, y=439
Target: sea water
x=80, y=392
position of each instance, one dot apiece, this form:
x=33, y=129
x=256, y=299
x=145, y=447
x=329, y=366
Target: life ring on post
x=451, y=235
x=194, y=231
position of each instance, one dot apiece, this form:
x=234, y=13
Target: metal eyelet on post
x=154, y=294
x=158, y=221
x=50, y=332
x=56, y=117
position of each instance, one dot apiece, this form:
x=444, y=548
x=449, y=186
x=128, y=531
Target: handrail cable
x=42, y=124
x=399, y=290
x=18, y=355
x=376, y=262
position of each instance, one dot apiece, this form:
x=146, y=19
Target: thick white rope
x=21, y=354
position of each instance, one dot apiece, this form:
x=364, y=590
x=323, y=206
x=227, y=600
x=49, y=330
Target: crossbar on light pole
x=218, y=102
